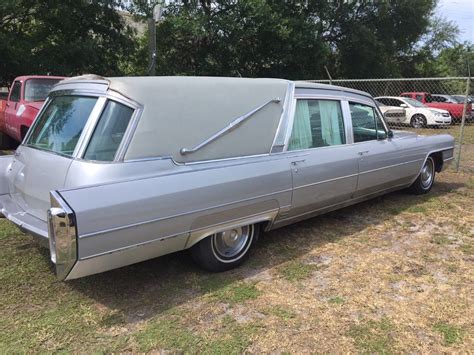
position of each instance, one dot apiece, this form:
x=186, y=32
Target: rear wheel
x=424, y=181
x=225, y=250
x=418, y=121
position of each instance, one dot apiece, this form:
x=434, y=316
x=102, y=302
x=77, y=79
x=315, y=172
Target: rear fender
x=5, y=165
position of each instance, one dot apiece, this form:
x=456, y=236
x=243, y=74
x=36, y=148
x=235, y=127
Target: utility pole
x=152, y=46
x=156, y=11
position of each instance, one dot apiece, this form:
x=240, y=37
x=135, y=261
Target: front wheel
x=418, y=121
x=424, y=181
x=225, y=250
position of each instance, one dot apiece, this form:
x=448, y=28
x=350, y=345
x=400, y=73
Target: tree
x=291, y=39
x=63, y=37
x=371, y=38
x=243, y=38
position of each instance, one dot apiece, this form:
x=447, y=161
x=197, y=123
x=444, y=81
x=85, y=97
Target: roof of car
x=26, y=77
x=391, y=97
x=312, y=85
x=182, y=112
x=137, y=80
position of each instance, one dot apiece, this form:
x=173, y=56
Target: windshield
x=38, y=89
x=458, y=99
x=60, y=125
x=413, y=102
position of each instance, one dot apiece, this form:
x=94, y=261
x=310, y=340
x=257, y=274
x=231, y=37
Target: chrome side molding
x=62, y=235
x=231, y=126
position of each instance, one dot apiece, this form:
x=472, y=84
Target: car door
x=397, y=103
x=324, y=167
x=406, y=107
x=381, y=163
x=12, y=108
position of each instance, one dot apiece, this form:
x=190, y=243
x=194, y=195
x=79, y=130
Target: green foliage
x=450, y=61
x=295, y=39
x=62, y=37
x=251, y=38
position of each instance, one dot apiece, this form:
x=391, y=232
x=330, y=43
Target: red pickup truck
x=27, y=95
x=439, y=101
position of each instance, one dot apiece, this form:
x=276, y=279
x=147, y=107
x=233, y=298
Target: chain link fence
x=426, y=106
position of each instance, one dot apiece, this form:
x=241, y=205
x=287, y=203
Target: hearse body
x=116, y=171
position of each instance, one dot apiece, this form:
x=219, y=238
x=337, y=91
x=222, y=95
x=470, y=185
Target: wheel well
x=438, y=161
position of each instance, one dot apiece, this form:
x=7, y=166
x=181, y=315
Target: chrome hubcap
x=231, y=242
x=418, y=122
x=427, y=173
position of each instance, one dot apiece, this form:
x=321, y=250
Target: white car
x=392, y=114
x=417, y=115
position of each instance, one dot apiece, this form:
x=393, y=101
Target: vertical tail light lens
x=62, y=235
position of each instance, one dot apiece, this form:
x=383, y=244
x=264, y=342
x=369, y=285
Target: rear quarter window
x=109, y=132
x=61, y=124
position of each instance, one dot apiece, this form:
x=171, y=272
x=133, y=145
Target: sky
x=461, y=12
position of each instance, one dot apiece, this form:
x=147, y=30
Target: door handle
x=363, y=152
x=298, y=161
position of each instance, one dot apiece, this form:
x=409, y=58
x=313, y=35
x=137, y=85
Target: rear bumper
x=26, y=222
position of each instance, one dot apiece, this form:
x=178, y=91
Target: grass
x=294, y=271
x=440, y=239
x=369, y=279
x=455, y=130
x=336, y=300
x=281, y=312
x=373, y=337
x=467, y=249
x=237, y=293
x=451, y=334
x=171, y=335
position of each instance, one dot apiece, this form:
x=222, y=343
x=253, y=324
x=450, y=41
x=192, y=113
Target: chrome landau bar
x=231, y=126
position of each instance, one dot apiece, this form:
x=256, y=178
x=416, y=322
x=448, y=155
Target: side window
x=367, y=125
x=16, y=92
x=420, y=98
x=317, y=123
x=384, y=101
x=109, y=132
x=397, y=102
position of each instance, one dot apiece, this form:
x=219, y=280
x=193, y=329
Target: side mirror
x=404, y=105
x=390, y=133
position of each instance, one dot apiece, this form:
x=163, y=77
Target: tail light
x=62, y=235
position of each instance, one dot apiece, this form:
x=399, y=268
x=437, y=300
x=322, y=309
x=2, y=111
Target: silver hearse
x=119, y=170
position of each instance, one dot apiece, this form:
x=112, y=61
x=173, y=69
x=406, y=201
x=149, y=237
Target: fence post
x=463, y=121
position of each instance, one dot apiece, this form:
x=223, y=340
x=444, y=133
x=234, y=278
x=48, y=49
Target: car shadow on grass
x=145, y=290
